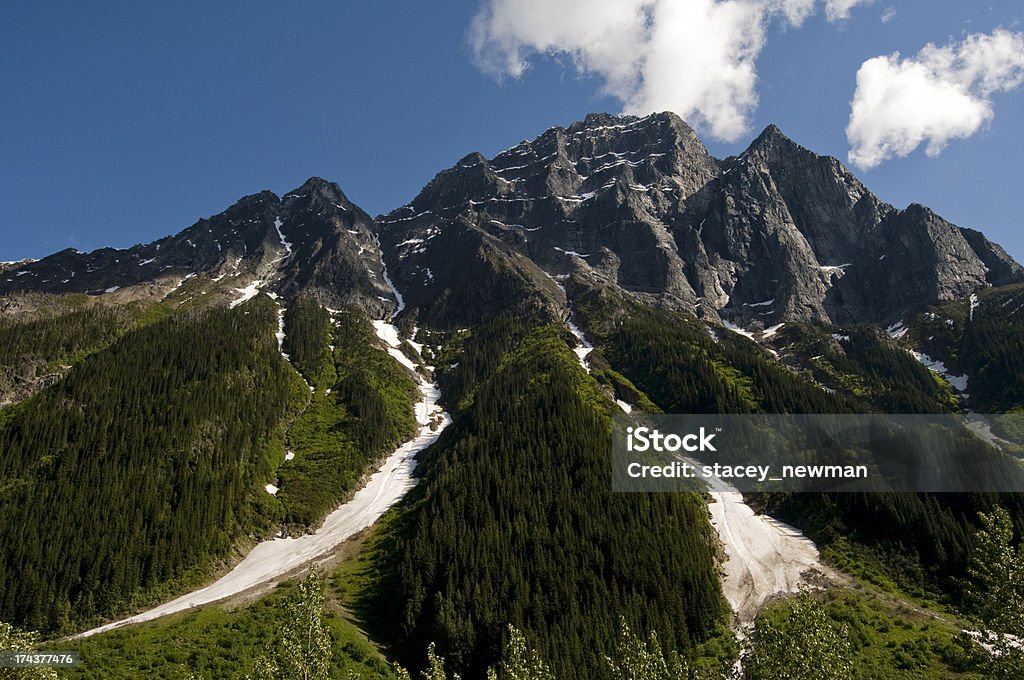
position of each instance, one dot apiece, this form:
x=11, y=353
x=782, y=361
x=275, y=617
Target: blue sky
x=126, y=122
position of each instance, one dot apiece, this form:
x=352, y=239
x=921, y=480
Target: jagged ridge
x=638, y=204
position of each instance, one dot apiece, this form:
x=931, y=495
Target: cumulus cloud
x=839, y=10
x=940, y=94
x=695, y=57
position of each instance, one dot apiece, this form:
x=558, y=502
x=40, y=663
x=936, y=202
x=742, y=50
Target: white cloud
x=888, y=14
x=839, y=10
x=697, y=58
x=940, y=94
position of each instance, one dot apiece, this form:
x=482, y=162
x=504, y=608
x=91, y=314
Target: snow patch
x=247, y=293
x=279, y=334
x=572, y=253
x=897, y=330
x=764, y=556
x=399, y=300
x=771, y=331
x=584, y=348
x=389, y=334
x=736, y=329
x=834, y=270
x=958, y=382
x=983, y=430
x=418, y=346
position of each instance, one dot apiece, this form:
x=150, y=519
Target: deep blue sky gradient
x=122, y=122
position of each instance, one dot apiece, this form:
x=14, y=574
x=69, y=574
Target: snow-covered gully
x=274, y=558
x=764, y=557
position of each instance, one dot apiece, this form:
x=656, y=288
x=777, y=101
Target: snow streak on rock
x=399, y=300
x=284, y=242
x=584, y=348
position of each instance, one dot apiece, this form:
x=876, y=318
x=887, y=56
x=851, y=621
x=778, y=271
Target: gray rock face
x=775, y=233
x=334, y=253
x=636, y=205
x=588, y=196
x=312, y=239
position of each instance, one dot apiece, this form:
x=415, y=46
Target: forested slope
x=983, y=338
x=360, y=409
x=515, y=523
x=42, y=336
x=141, y=468
x=921, y=541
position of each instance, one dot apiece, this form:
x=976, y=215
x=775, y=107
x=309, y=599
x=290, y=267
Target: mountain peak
x=317, y=186
x=772, y=142
x=635, y=202
x=610, y=121
x=594, y=120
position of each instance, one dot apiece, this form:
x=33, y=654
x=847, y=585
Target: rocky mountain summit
x=311, y=239
x=773, y=234
x=637, y=205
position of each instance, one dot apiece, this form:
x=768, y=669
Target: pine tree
x=305, y=649
x=435, y=666
x=996, y=592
